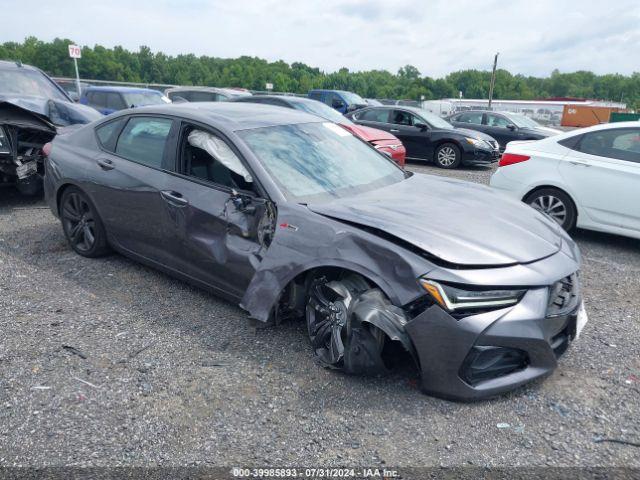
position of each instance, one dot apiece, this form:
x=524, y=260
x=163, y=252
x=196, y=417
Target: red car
x=381, y=140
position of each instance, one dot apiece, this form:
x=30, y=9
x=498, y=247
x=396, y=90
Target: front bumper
x=488, y=354
x=480, y=156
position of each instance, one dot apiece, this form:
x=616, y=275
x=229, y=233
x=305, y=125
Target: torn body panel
x=22, y=137
x=304, y=241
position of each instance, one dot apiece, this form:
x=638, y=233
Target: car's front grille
x=564, y=296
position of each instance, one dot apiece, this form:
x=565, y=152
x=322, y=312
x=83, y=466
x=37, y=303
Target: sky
x=534, y=37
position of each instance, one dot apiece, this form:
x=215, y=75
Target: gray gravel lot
x=107, y=362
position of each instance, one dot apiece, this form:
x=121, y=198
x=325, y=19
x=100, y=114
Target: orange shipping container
x=586, y=116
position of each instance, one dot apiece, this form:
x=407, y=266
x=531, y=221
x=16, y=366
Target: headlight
x=477, y=142
x=454, y=298
x=4, y=142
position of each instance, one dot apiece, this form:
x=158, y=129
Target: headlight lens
x=477, y=142
x=4, y=142
x=454, y=298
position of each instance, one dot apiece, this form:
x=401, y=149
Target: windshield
x=433, y=120
x=523, y=121
x=316, y=162
x=139, y=99
x=322, y=110
x=352, y=98
x=21, y=81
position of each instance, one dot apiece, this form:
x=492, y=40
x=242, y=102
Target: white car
x=589, y=178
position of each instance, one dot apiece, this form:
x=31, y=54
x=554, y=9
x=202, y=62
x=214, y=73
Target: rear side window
x=99, y=99
x=143, y=140
x=379, y=115
x=470, y=117
x=619, y=143
x=196, y=96
x=108, y=133
x=316, y=95
x=114, y=101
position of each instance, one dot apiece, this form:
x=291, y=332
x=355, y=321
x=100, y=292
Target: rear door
x=130, y=176
x=603, y=171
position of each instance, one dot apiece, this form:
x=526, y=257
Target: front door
x=216, y=214
x=415, y=139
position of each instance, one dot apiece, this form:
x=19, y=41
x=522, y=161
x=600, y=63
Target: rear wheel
x=555, y=204
x=447, y=155
x=81, y=224
x=335, y=343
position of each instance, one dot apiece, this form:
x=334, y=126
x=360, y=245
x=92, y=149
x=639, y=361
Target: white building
x=544, y=111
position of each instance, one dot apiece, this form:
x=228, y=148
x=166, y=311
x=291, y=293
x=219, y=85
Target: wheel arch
x=554, y=187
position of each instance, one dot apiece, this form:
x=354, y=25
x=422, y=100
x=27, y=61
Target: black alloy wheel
x=328, y=311
x=81, y=224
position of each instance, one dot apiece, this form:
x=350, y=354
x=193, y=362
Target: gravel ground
x=108, y=363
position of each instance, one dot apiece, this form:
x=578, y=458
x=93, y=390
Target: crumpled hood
x=369, y=134
x=76, y=113
x=458, y=222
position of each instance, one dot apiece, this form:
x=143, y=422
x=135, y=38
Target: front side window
x=114, y=101
x=401, y=117
x=316, y=162
x=497, y=121
x=208, y=157
x=470, y=117
x=143, y=140
x=98, y=99
x=619, y=143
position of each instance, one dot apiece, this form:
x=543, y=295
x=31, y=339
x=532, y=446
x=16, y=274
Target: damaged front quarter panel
x=304, y=241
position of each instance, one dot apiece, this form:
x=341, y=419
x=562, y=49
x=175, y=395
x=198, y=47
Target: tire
x=82, y=225
x=556, y=204
x=328, y=316
x=447, y=156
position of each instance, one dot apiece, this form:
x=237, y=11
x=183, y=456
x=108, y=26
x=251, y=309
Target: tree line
x=145, y=66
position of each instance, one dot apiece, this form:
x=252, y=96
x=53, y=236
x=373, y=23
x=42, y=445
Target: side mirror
x=243, y=203
x=337, y=104
x=421, y=126
x=511, y=127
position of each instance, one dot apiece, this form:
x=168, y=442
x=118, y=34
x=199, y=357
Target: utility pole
x=493, y=79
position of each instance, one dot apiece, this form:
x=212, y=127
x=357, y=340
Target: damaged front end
x=23, y=135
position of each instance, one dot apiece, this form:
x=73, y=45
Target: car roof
x=9, y=65
x=122, y=89
x=234, y=116
x=194, y=88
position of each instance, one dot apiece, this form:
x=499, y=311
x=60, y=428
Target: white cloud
x=436, y=36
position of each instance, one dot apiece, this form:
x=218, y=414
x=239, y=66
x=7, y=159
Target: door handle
x=105, y=164
x=395, y=130
x=582, y=164
x=174, y=198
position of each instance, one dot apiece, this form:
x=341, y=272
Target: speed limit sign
x=75, y=51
